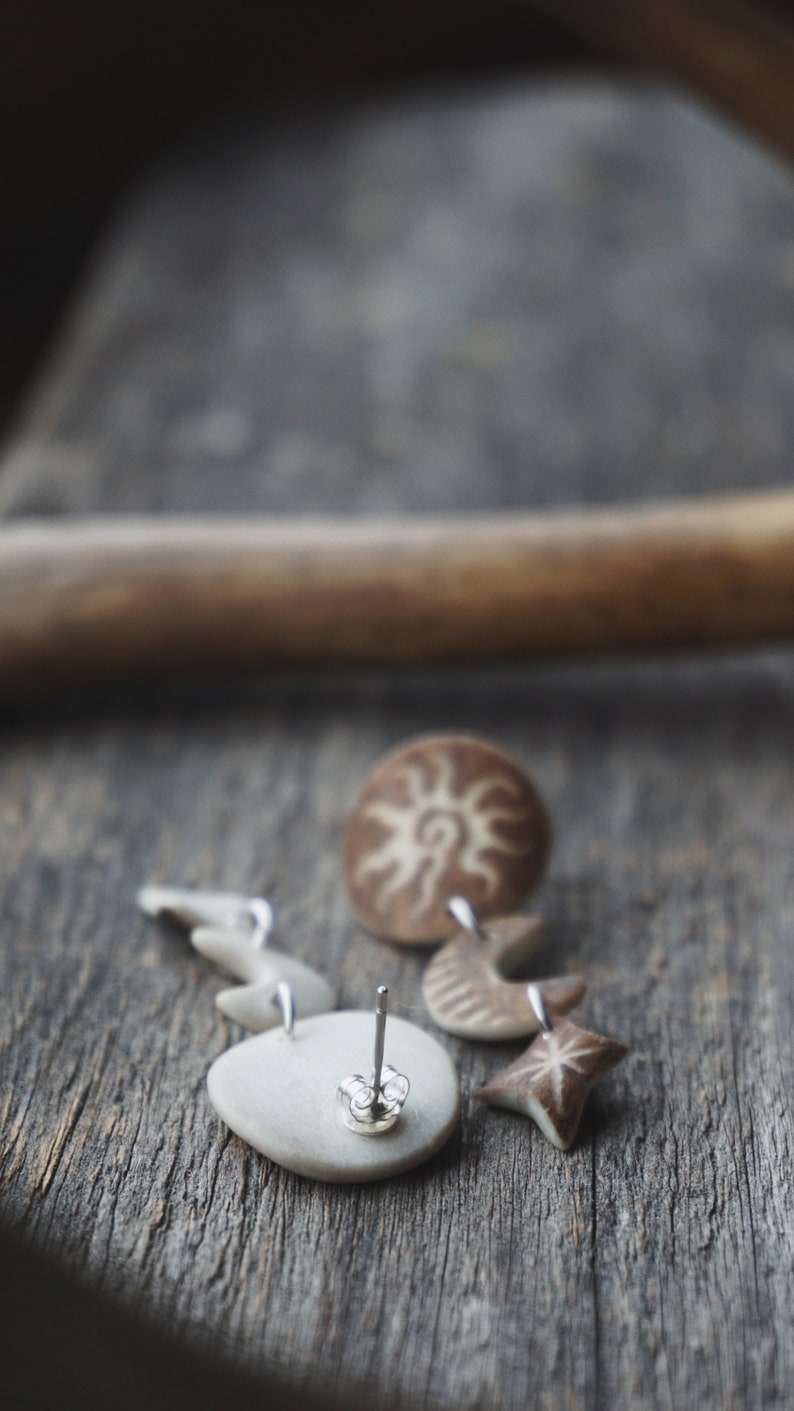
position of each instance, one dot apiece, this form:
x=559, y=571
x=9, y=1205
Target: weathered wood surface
x=504, y=299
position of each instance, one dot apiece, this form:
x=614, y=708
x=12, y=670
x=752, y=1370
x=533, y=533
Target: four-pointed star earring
x=550, y=1082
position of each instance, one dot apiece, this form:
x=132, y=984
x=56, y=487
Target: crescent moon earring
x=464, y=986
x=233, y=931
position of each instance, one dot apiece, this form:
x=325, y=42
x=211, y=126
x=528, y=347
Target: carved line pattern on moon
x=466, y=991
x=436, y=826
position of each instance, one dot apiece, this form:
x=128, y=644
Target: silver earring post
x=461, y=911
x=226, y=911
x=381, y=1010
x=259, y=914
x=284, y=1000
x=538, y=1007
x=373, y=1107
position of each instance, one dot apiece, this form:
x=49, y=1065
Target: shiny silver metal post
x=259, y=913
x=284, y=1000
x=463, y=913
x=538, y=1006
x=381, y=1010
x=370, y=1108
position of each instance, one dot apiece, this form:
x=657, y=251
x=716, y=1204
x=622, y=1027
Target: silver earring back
x=373, y=1107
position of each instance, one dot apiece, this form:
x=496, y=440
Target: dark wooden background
x=515, y=295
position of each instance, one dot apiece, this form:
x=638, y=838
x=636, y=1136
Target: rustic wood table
x=517, y=296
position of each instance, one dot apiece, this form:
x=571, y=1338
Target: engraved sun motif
x=438, y=826
x=548, y=1056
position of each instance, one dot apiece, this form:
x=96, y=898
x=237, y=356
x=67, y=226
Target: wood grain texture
x=380, y=311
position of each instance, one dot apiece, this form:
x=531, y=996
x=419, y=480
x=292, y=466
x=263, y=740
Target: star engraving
x=550, y=1058
x=550, y=1082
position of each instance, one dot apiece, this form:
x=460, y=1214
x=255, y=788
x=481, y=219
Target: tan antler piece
x=733, y=53
x=87, y=602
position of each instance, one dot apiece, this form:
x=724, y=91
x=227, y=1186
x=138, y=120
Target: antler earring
x=233, y=932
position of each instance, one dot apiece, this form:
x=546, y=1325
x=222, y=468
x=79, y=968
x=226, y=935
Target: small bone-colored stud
x=373, y=1107
x=227, y=911
x=551, y=1080
x=464, y=985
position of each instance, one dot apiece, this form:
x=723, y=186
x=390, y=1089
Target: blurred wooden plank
x=99, y=1355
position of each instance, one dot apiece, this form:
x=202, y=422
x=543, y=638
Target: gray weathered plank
x=502, y=298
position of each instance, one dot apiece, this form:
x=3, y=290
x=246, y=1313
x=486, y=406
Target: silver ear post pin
x=381, y=1010
x=461, y=911
x=373, y=1107
x=538, y=1008
x=259, y=913
x=284, y=1000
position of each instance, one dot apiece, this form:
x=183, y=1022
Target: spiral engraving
x=442, y=816
x=438, y=825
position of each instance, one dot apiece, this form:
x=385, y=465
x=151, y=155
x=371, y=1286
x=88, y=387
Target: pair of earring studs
x=445, y=826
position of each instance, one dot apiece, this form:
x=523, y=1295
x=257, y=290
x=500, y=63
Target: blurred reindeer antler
x=86, y=602
x=736, y=54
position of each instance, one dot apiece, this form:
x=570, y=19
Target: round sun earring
x=442, y=816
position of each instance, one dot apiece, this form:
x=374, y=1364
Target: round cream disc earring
x=290, y=1093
